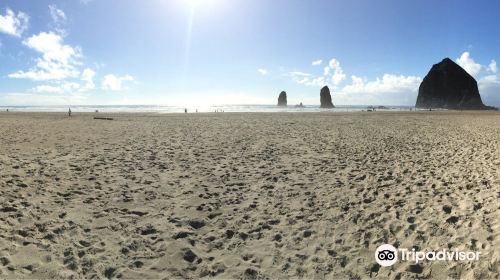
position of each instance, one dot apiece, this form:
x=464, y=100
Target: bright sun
x=196, y=3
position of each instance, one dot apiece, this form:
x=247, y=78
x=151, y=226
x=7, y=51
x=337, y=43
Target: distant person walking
x=69, y=112
x=185, y=110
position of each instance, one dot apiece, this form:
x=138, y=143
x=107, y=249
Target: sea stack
x=449, y=86
x=326, y=98
x=282, y=99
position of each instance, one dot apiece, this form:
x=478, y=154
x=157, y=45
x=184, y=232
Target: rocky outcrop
x=282, y=99
x=326, y=98
x=449, y=86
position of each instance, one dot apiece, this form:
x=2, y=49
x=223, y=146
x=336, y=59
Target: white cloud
x=489, y=88
x=490, y=79
x=297, y=74
x=466, y=62
x=326, y=71
x=388, y=90
x=493, y=66
x=13, y=24
x=58, y=61
x=115, y=83
x=47, y=89
x=262, y=71
x=58, y=15
x=50, y=45
x=336, y=78
x=88, y=77
x=58, y=65
x=43, y=99
x=388, y=84
x=357, y=80
x=338, y=74
x=62, y=87
x=489, y=83
x=315, y=82
x=306, y=78
x=317, y=62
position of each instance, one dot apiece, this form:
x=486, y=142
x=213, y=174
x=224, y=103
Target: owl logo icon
x=386, y=255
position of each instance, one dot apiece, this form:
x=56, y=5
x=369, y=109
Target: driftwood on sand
x=101, y=118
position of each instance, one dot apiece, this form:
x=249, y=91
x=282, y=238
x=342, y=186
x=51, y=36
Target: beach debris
x=102, y=118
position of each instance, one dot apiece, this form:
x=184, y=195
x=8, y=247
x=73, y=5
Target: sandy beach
x=247, y=195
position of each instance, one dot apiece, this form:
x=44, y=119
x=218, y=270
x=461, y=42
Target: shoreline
x=152, y=114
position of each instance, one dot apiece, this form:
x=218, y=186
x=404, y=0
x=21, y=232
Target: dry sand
x=247, y=195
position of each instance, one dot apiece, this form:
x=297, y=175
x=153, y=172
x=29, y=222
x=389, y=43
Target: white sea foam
x=201, y=109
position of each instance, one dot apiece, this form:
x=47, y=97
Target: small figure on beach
x=185, y=110
x=69, y=112
x=97, y=111
x=7, y=110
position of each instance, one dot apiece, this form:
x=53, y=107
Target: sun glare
x=196, y=3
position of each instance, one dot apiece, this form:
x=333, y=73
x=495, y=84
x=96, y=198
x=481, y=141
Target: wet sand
x=247, y=195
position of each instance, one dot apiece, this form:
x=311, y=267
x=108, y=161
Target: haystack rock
x=449, y=86
x=282, y=99
x=326, y=98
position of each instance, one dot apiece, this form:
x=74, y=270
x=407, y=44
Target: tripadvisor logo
x=387, y=255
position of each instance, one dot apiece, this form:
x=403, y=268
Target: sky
x=206, y=52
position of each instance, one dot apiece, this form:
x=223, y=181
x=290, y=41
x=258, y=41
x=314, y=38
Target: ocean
x=161, y=109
